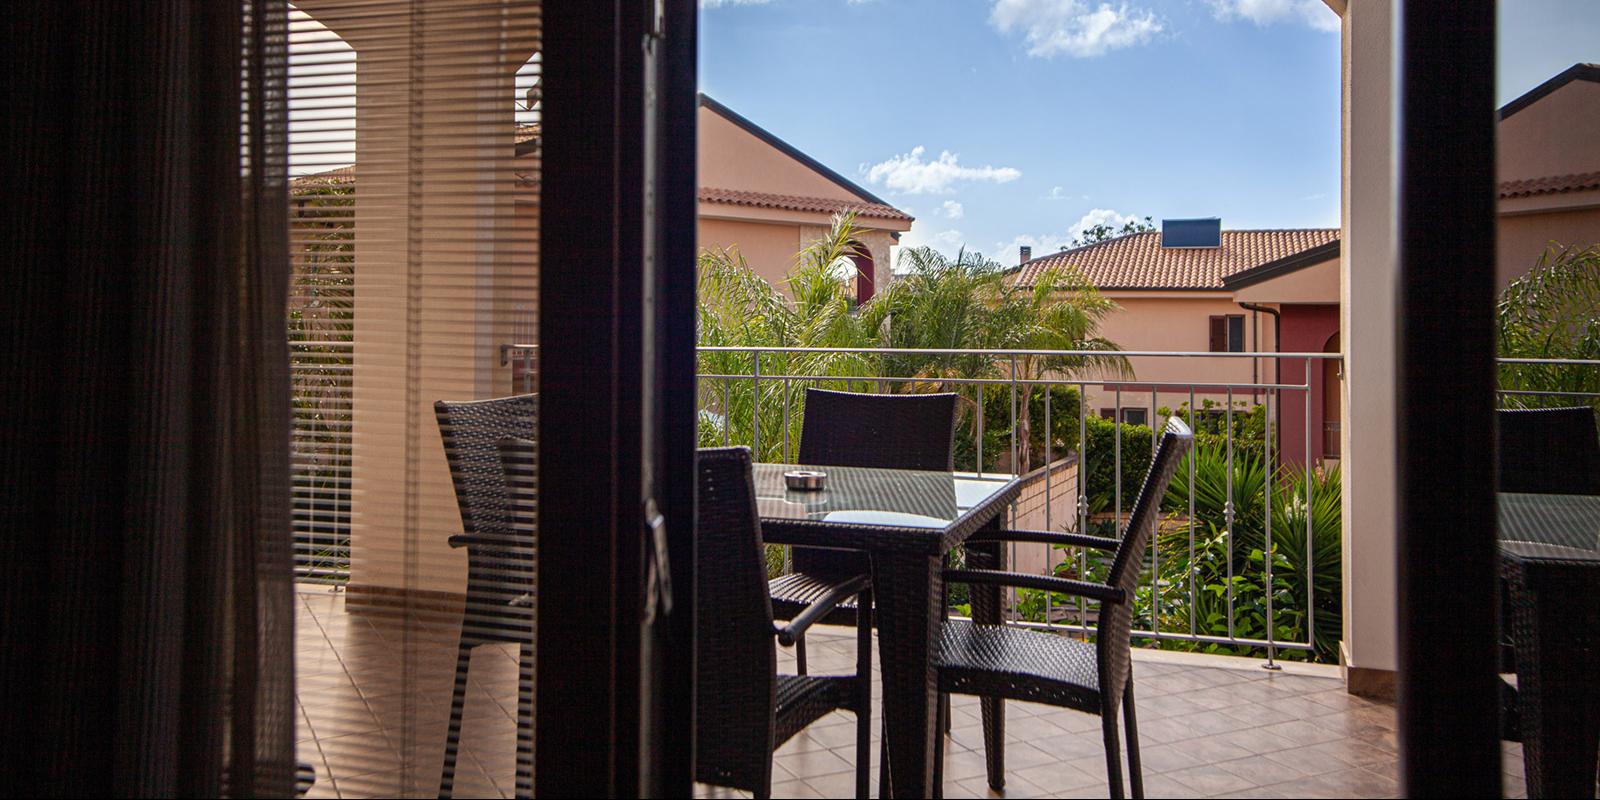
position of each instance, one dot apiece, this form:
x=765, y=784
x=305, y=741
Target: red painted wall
x=1306, y=329
x=864, y=275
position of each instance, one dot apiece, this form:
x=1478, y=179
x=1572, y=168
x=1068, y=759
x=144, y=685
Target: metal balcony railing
x=1266, y=459
x=1208, y=573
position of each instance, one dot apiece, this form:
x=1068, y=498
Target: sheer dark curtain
x=145, y=604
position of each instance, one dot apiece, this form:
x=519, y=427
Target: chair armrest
x=497, y=542
x=1046, y=537
x=788, y=634
x=1093, y=591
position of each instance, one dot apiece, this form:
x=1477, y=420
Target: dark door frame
x=1445, y=537
x=616, y=428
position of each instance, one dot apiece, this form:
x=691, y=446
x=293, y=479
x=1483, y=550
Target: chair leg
x=1108, y=726
x=944, y=705
x=525, y=691
x=1130, y=719
x=864, y=697
x=994, y=740
x=884, y=789
x=452, y=739
x=938, y=749
x=800, y=654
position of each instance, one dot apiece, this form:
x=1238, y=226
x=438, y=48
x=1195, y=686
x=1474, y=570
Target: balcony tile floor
x=374, y=697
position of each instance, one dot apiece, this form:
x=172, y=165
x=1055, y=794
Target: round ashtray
x=805, y=480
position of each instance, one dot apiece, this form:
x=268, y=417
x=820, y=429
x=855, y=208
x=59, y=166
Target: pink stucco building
x=1279, y=291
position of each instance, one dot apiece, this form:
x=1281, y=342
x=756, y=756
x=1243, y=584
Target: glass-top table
x=906, y=521
x=885, y=498
x=1550, y=526
x=1550, y=562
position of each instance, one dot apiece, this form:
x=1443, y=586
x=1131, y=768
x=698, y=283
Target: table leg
x=987, y=609
x=1554, y=617
x=907, y=589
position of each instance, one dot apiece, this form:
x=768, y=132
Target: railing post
x=1228, y=512
x=1311, y=561
x=1083, y=492
x=1016, y=465
x=1266, y=536
x=755, y=404
x=1194, y=424
x=979, y=428
x=1116, y=434
x=1049, y=552
x=1155, y=541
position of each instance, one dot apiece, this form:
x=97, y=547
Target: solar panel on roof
x=1205, y=232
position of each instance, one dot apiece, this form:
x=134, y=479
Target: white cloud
x=1314, y=13
x=1047, y=243
x=1008, y=253
x=953, y=210
x=1059, y=193
x=1099, y=216
x=721, y=3
x=947, y=241
x=909, y=174
x=1074, y=28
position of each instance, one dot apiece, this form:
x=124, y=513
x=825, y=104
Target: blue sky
x=1006, y=122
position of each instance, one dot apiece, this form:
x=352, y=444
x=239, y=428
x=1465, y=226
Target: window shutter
x=414, y=277
x=1219, y=334
x=1236, y=333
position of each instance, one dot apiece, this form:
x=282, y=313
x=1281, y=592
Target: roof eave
x=789, y=150
x=1576, y=72
x=1283, y=266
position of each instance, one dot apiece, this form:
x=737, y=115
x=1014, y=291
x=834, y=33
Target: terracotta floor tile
x=375, y=696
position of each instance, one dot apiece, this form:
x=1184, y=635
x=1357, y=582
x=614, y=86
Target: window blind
x=414, y=177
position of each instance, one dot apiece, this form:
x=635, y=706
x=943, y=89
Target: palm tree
x=965, y=303
x=971, y=302
x=1553, y=312
x=739, y=308
x=1061, y=311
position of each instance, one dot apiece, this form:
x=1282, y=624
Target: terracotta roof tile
x=1550, y=184
x=1138, y=261
x=334, y=177
x=825, y=205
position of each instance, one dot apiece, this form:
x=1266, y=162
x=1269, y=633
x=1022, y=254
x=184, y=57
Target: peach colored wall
x=1524, y=237
x=1318, y=283
x=1042, y=506
x=769, y=248
x=731, y=158
x=1557, y=135
x=1179, y=321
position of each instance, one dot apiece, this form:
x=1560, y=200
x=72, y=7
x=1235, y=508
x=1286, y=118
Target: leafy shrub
x=1552, y=312
x=1100, y=463
x=997, y=424
x=1221, y=557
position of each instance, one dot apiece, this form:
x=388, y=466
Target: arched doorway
x=861, y=258
x=1332, y=369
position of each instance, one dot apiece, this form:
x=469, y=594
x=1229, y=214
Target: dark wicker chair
x=997, y=662
x=500, y=556
x=1541, y=451
x=1549, y=451
x=745, y=709
x=846, y=429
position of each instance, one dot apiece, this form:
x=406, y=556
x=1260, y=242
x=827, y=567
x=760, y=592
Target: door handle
x=658, y=571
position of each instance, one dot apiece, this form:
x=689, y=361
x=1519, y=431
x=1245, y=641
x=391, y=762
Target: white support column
x=1368, y=305
x=442, y=260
